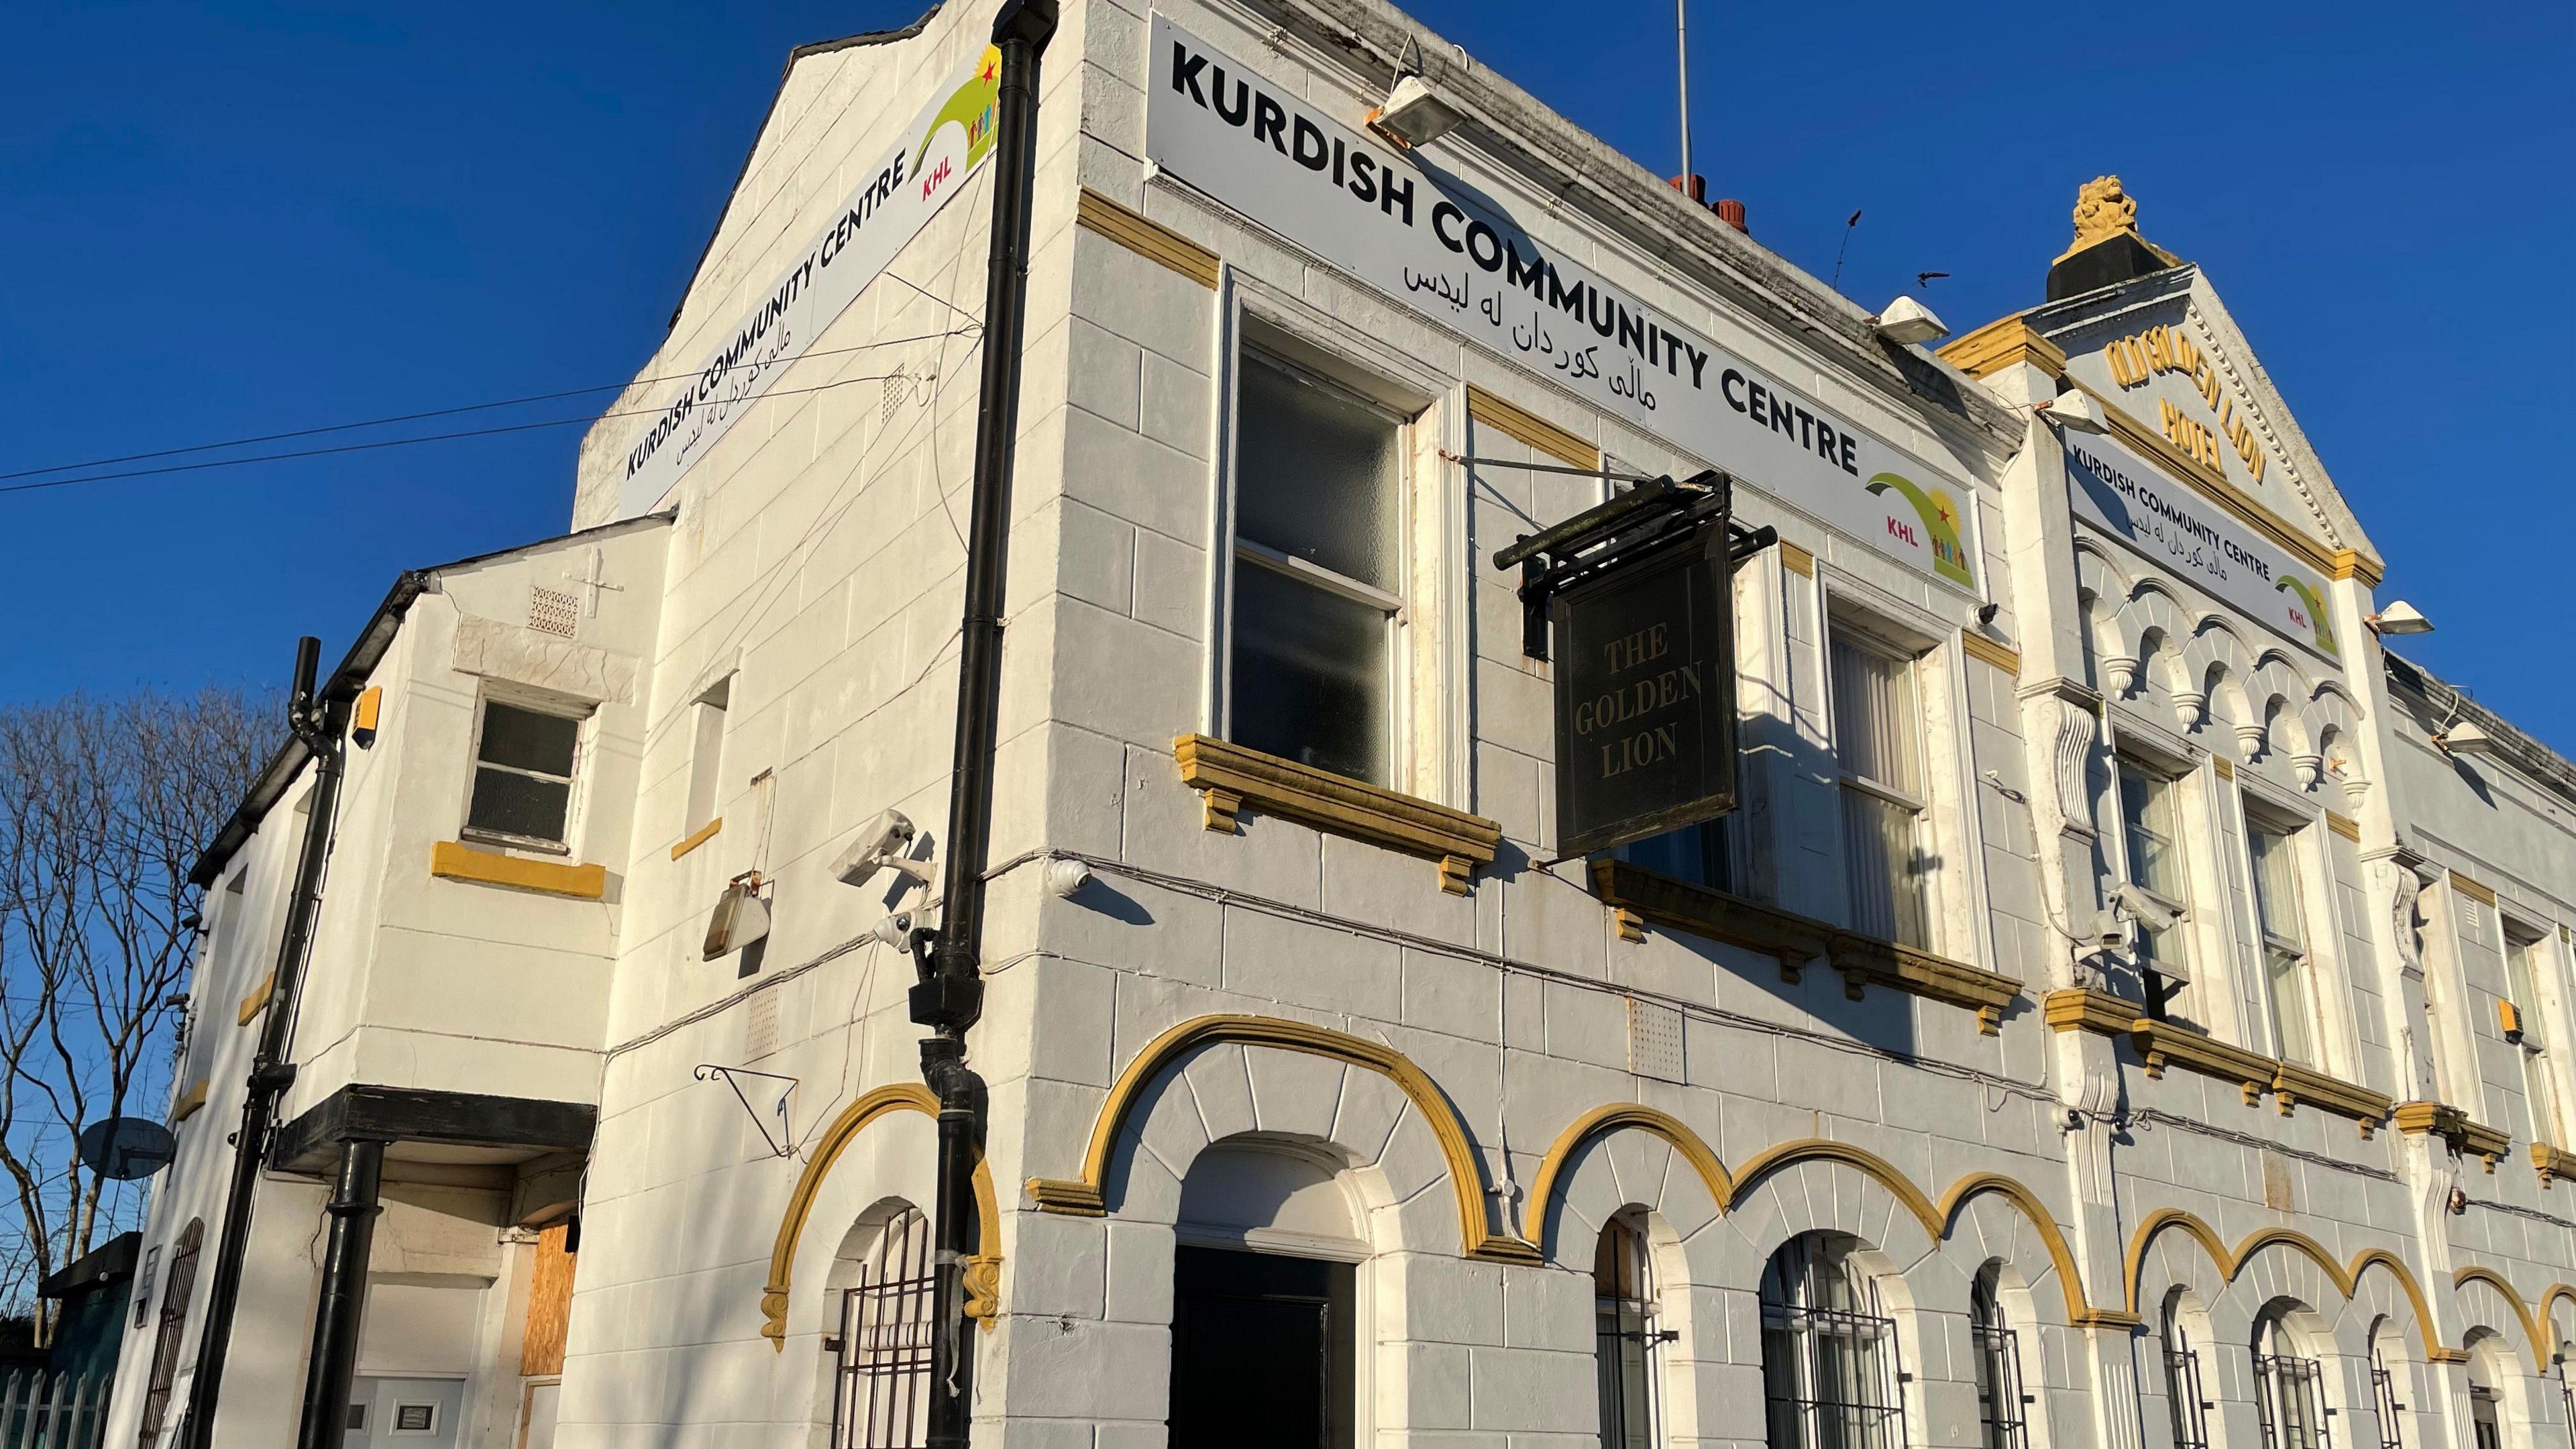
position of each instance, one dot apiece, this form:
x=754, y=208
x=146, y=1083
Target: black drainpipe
x=950, y=994
x=343, y=1305
x=321, y=726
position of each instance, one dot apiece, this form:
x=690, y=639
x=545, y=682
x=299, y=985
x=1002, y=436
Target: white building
x=2127, y=1008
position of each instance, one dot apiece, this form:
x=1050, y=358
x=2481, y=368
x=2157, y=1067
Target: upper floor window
x=1625, y=1334
x=1878, y=756
x=2151, y=839
x=1318, y=571
x=2522, y=962
x=2289, y=974
x=524, y=758
x=1829, y=1371
x=706, y=754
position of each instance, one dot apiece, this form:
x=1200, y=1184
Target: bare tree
x=104, y=804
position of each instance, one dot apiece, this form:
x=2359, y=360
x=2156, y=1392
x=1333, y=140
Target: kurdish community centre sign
x=2170, y=525
x=945, y=145
x=1434, y=242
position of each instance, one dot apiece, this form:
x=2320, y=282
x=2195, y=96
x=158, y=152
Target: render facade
x=2122, y=1010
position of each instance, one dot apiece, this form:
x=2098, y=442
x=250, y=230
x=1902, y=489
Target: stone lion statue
x=2101, y=209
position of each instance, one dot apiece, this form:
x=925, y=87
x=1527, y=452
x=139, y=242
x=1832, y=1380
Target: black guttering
x=820, y=47
x=109, y=1262
x=356, y=667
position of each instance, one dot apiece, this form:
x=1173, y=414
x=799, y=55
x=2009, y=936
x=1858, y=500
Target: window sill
x=450, y=860
x=1229, y=777
x=2553, y=1162
x=700, y=836
x=2441, y=1119
x=1639, y=895
x=257, y=1001
x=189, y=1102
x=2164, y=1044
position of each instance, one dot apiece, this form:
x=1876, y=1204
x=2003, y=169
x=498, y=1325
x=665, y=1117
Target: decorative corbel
x=2249, y=742
x=2193, y=706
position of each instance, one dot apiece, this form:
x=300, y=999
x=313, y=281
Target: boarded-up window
x=549, y=1305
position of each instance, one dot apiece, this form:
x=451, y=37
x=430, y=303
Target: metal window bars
x=1829, y=1356
x=2001, y=1408
x=2289, y=1396
x=1626, y=1337
x=881, y=1371
x=2383, y=1389
x=2182, y=1396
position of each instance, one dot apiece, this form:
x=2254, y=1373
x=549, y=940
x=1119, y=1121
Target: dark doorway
x=1261, y=1351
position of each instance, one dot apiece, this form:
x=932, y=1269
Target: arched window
x=2182, y=1378
x=2383, y=1386
x=1829, y=1370
x=2558, y=1368
x=1626, y=1333
x=2486, y=1416
x=175, y=1293
x=2000, y=1402
x=881, y=1345
x=2289, y=1388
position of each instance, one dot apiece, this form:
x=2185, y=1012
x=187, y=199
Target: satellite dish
x=125, y=1148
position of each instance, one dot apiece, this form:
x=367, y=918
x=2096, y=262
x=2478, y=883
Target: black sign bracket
x=1654, y=515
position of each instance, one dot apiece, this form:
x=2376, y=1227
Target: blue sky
x=230, y=220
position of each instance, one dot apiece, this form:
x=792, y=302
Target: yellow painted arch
x=1615, y=1117
x=2530, y=1330
x=845, y=1128
x=1087, y=1194
x=2346, y=1278
x=1725, y=1187
x=2549, y=1300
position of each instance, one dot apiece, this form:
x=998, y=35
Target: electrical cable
x=445, y=412
x=404, y=442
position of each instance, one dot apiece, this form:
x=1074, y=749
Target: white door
x=391, y=1413
x=537, y=1415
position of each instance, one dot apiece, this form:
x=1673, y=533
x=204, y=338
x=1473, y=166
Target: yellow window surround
x=1637, y=895
x=698, y=837
x=1147, y=238
x=1229, y=777
x=453, y=860
x=188, y=1103
x=2553, y=1162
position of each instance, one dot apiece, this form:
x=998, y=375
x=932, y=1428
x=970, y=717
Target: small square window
x=523, y=773
x=415, y=1418
x=357, y=1419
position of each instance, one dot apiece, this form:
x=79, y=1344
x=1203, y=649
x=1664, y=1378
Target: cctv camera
x=2108, y=933
x=880, y=844
x=895, y=931
x=2142, y=907
x=888, y=833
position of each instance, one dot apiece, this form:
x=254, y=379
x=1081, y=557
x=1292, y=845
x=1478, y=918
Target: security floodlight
x=2400, y=617
x=741, y=917
x=1906, y=322
x=2464, y=738
x=2075, y=410
x=1415, y=114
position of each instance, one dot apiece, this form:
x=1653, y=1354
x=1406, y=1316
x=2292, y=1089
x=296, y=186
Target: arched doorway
x=1265, y=1302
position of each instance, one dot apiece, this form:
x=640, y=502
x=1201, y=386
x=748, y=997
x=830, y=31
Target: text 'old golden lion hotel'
x=2122, y=1008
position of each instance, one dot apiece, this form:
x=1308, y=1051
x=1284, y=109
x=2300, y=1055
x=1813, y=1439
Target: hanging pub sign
x=1641, y=598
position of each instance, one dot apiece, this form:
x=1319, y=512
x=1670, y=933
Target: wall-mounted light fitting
x=1415, y=114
